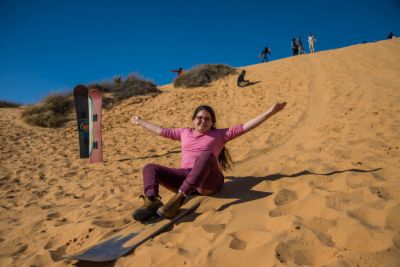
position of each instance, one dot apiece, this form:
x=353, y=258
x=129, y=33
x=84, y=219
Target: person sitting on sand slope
x=203, y=156
x=241, y=82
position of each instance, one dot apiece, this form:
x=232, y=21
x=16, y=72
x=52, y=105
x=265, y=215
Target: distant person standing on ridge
x=311, y=42
x=264, y=54
x=179, y=71
x=300, y=45
x=295, y=48
x=391, y=35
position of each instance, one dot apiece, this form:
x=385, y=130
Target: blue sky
x=52, y=45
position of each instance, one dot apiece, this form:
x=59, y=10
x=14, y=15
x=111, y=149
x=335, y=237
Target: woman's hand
x=263, y=117
x=277, y=107
x=136, y=120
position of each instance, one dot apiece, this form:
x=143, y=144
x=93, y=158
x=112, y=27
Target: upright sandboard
x=82, y=116
x=132, y=237
x=95, y=137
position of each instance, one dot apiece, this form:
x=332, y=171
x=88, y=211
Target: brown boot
x=170, y=209
x=149, y=208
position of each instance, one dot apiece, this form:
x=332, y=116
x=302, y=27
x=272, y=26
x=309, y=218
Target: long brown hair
x=224, y=158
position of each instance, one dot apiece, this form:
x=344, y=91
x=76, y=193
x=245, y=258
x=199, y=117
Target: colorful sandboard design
x=82, y=116
x=95, y=136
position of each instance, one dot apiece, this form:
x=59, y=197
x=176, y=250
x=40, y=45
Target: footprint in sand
x=319, y=224
x=70, y=174
x=85, y=184
x=89, y=198
x=215, y=229
x=21, y=248
x=250, y=239
x=29, y=204
x=48, y=245
x=393, y=219
x=338, y=202
x=369, y=216
x=279, y=211
x=301, y=254
x=40, y=193
x=103, y=223
x=284, y=196
x=282, y=253
x=237, y=244
x=110, y=224
x=52, y=215
x=46, y=207
x=61, y=222
x=183, y=252
x=396, y=242
x=379, y=191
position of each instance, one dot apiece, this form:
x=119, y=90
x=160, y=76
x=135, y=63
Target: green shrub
x=7, y=104
x=52, y=112
x=203, y=75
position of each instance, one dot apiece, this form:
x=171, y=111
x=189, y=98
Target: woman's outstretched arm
x=251, y=124
x=146, y=124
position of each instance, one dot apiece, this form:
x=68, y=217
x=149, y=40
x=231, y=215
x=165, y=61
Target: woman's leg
x=205, y=176
x=170, y=178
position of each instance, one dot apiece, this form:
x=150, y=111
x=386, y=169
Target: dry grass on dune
x=202, y=75
x=55, y=109
x=8, y=104
x=52, y=112
x=123, y=89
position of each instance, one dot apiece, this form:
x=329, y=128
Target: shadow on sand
x=248, y=83
x=149, y=157
x=241, y=187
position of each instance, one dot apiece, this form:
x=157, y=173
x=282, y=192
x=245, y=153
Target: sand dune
x=316, y=185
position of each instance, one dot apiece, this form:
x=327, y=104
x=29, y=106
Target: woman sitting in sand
x=203, y=156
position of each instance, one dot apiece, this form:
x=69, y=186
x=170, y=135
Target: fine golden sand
x=316, y=185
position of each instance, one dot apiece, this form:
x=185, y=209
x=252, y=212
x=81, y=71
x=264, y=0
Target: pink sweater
x=193, y=143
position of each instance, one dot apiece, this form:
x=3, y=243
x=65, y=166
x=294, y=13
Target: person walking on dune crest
x=311, y=42
x=300, y=45
x=264, y=54
x=203, y=157
x=295, y=47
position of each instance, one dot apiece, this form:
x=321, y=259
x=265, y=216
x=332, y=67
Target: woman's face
x=202, y=121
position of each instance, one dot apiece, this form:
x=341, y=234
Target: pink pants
x=205, y=177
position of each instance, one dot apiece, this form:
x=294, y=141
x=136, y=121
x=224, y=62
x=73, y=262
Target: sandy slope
x=317, y=185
